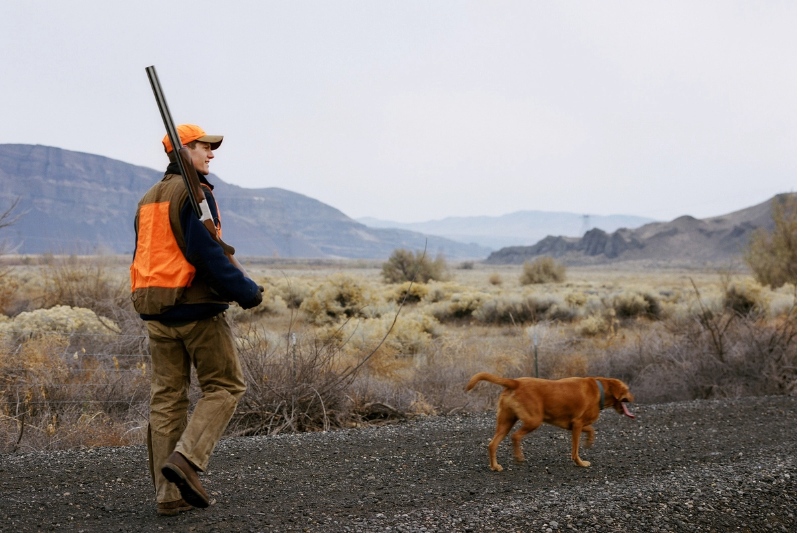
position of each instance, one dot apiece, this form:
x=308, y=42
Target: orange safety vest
x=161, y=277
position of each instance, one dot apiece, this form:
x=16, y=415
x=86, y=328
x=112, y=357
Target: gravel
x=721, y=465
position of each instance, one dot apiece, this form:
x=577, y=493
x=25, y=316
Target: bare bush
x=459, y=307
x=358, y=360
x=89, y=282
x=772, y=256
x=339, y=297
x=57, y=394
x=409, y=293
x=633, y=304
x=744, y=298
x=522, y=309
x=542, y=270
x=296, y=386
x=405, y=265
x=709, y=354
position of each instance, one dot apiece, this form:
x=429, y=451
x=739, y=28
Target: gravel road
x=727, y=465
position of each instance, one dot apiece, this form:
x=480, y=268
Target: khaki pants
x=207, y=345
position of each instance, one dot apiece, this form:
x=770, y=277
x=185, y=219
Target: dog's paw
x=580, y=462
x=496, y=468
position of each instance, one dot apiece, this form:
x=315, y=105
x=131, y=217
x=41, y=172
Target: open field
x=335, y=346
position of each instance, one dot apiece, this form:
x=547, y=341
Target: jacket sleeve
x=212, y=265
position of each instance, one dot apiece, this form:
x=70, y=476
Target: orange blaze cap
x=192, y=132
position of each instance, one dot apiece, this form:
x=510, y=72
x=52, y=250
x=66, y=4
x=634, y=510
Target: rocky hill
x=513, y=229
x=78, y=203
x=685, y=240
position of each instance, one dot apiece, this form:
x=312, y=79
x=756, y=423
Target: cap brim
x=213, y=140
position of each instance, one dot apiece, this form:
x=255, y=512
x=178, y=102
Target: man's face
x=200, y=155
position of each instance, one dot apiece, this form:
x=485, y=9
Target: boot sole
x=189, y=493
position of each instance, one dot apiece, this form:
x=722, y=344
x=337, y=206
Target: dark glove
x=255, y=301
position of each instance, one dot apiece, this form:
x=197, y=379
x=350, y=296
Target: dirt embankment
x=696, y=466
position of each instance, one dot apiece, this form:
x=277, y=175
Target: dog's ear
x=619, y=390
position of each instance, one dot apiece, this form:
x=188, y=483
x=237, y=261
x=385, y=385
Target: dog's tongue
x=625, y=410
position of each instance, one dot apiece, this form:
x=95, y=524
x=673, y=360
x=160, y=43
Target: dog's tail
x=497, y=380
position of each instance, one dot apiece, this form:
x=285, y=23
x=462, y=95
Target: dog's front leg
x=589, y=430
x=576, y=444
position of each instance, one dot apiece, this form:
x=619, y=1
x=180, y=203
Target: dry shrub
x=576, y=299
x=31, y=374
x=596, y=324
x=293, y=291
x=408, y=293
x=435, y=384
x=542, y=270
x=299, y=386
x=410, y=334
x=55, y=398
x=307, y=382
x=272, y=305
x=460, y=306
x=386, y=364
x=772, y=256
x=708, y=355
x=744, y=298
x=405, y=265
x=522, y=309
x=339, y=297
x=568, y=365
x=75, y=427
x=85, y=282
x=9, y=291
x=782, y=301
x=495, y=279
x=60, y=319
x=631, y=304
x=442, y=291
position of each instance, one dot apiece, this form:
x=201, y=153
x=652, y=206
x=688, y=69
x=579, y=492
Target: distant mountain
x=685, y=240
x=520, y=228
x=78, y=203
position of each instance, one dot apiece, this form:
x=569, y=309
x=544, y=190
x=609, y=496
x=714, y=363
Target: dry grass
x=317, y=354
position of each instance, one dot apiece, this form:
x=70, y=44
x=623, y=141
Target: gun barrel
x=174, y=138
x=196, y=194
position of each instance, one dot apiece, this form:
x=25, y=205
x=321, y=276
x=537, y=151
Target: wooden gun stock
x=197, y=196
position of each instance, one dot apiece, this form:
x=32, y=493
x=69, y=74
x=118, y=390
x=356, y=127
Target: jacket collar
x=173, y=168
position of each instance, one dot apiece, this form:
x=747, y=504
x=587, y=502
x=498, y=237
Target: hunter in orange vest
x=181, y=284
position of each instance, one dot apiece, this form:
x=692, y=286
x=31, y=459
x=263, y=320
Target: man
x=181, y=285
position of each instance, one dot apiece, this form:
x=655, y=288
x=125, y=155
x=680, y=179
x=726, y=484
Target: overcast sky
x=420, y=110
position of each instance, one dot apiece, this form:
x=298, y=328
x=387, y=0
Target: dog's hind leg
x=516, y=438
x=505, y=421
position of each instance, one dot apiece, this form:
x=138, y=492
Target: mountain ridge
x=711, y=241
x=78, y=203
x=517, y=228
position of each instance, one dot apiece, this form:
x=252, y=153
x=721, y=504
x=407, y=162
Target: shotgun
x=197, y=198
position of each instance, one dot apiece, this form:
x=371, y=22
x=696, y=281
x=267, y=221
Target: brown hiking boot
x=179, y=471
x=173, y=508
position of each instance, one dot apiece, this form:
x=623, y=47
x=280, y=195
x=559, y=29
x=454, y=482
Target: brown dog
x=571, y=403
